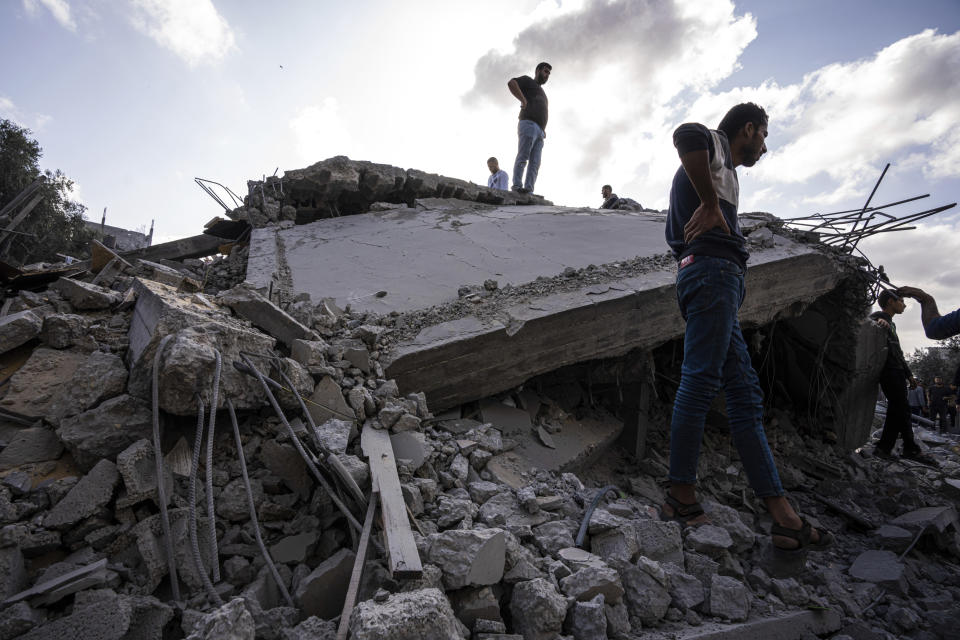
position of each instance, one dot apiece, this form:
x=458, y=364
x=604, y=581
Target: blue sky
x=133, y=99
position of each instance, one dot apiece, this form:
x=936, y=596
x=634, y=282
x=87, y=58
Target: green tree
x=940, y=360
x=56, y=223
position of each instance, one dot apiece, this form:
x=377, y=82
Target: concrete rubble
x=498, y=515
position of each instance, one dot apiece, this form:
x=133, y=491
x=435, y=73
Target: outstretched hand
x=913, y=292
x=705, y=218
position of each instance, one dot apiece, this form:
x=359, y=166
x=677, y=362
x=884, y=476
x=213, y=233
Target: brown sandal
x=682, y=513
x=803, y=536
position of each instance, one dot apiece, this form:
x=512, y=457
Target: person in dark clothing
x=938, y=403
x=610, y=199
x=917, y=397
x=532, y=127
x=893, y=382
x=703, y=232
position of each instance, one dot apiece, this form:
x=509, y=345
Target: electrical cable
x=582, y=533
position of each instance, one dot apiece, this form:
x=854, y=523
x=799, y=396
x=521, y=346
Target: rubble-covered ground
x=84, y=542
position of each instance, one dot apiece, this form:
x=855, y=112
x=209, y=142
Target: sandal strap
x=801, y=535
x=685, y=511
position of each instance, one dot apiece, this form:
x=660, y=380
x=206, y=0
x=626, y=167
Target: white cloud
x=192, y=29
x=10, y=111
x=59, y=9
x=320, y=132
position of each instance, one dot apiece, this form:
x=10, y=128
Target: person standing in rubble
x=704, y=234
x=917, y=397
x=893, y=382
x=939, y=393
x=498, y=177
x=531, y=129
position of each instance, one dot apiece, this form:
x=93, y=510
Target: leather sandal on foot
x=682, y=513
x=803, y=536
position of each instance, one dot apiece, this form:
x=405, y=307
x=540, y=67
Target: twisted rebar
x=211, y=514
x=158, y=458
x=253, y=508
x=192, y=498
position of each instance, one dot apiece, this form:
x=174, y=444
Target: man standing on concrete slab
x=936, y=327
x=704, y=234
x=532, y=126
x=893, y=383
x=498, y=177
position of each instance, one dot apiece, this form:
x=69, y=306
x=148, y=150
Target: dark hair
x=606, y=186
x=739, y=116
x=492, y=159
x=886, y=297
x=541, y=66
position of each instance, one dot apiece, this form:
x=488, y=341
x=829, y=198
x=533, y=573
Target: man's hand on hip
x=705, y=218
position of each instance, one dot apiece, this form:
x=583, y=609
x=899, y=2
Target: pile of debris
x=182, y=457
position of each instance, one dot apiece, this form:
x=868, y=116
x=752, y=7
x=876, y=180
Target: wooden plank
x=358, y=563
x=192, y=247
x=402, y=555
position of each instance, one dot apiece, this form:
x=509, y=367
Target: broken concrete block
x=13, y=574
x=313, y=628
x=251, y=305
x=18, y=619
x=587, y=620
x=285, y=462
x=468, y=558
x=106, y=430
x=35, y=444
x=936, y=518
x=538, y=610
x=590, y=581
x=302, y=383
x=233, y=504
x=35, y=388
x=232, y=621
x=879, y=567
x=62, y=330
x=356, y=354
x=322, y=592
x=709, y=540
x=18, y=328
x=645, y=597
x=309, y=353
x=450, y=511
x=413, y=615
x=618, y=620
x=790, y=591
x=577, y=559
x=659, y=540
x=410, y=445
x=686, y=591
x=727, y=517
x=335, y=435
x=82, y=295
x=729, y=599
x=100, y=377
x=327, y=402
x=550, y=537
x=894, y=538
x=137, y=467
x=87, y=497
x=294, y=549
x=619, y=543
x=405, y=422
x=481, y=490
x=188, y=363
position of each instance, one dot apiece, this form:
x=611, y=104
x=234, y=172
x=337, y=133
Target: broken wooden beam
x=193, y=247
x=358, y=563
x=402, y=555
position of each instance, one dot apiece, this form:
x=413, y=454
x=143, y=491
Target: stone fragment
x=481, y=490
x=550, y=537
x=686, y=591
x=285, y=462
x=233, y=503
x=328, y=402
x=616, y=544
x=237, y=570
x=646, y=598
x=728, y=518
x=460, y=468
x=232, y=621
x=138, y=468
x=13, y=575
x=879, y=567
x=309, y=353
x=450, y=511
x=302, y=383
x=35, y=388
x=618, y=620
x=413, y=615
x=538, y=610
x=410, y=445
x=82, y=295
x=659, y=540
x=294, y=549
x=468, y=557
x=894, y=538
x=729, y=599
x=87, y=498
x=34, y=444
x=936, y=518
x=475, y=603
x=18, y=328
x=322, y=592
x=335, y=434
x=406, y=422
x=790, y=591
x=251, y=305
x=100, y=377
x=18, y=619
x=588, y=582
x=62, y=330
x=106, y=430
x=587, y=620
x=577, y=559
x=709, y=540
x=313, y=628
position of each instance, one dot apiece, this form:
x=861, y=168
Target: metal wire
x=582, y=533
x=158, y=459
x=192, y=499
x=299, y=446
x=211, y=513
x=253, y=507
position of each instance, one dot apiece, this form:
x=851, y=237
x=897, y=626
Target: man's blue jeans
x=529, y=148
x=710, y=292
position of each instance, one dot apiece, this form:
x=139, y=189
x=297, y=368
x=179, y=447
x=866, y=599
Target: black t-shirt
x=938, y=395
x=536, y=109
